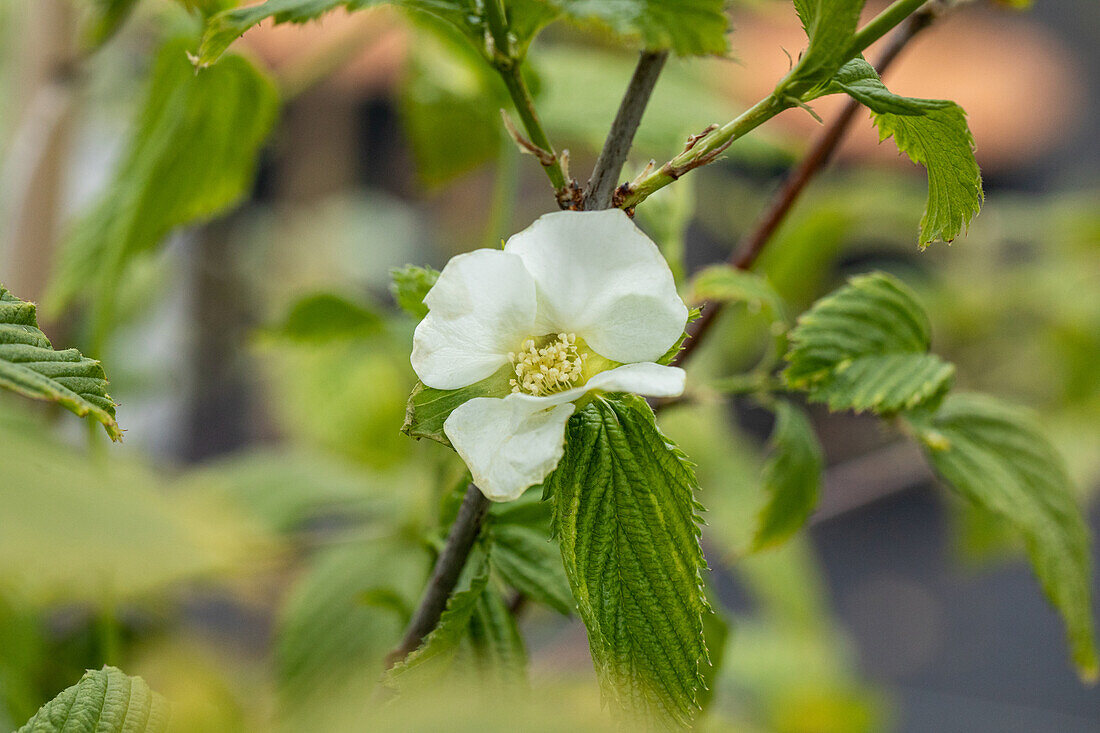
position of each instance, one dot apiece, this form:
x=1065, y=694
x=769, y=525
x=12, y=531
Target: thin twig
x=448, y=566
x=605, y=175
x=751, y=246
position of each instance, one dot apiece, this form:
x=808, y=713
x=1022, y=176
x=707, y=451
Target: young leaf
x=497, y=645
x=108, y=17
x=830, y=26
x=687, y=27
x=30, y=366
x=995, y=457
x=792, y=477
x=429, y=408
x=933, y=133
x=865, y=347
x=409, y=285
x=104, y=701
x=627, y=521
x=192, y=155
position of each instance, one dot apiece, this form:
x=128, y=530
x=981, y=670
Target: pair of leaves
x=687, y=27
x=934, y=134
x=192, y=155
x=103, y=701
x=30, y=366
x=865, y=347
x=628, y=524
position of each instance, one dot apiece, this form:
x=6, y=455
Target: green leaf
x=192, y=155
x=109, y=16
x=627, y=521
x=104, y=701
x=725, y=284
x=85, y=530
x=792, y=477
x=995, y=457
x=669, y=356
x=409, y=285
x=438, y=650
x=830, y=26
x=933, y=133
x=687, y=27
x=524, y=554
x=325, y=317
x=429, y=408
x=865, y=347
x=224, y=28
x=30, y=366
x=330, y=643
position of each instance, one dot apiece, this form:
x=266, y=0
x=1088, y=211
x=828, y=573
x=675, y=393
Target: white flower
x=576, y=303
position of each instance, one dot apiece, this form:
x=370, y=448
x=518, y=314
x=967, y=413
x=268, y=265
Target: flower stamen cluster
x=555, y=367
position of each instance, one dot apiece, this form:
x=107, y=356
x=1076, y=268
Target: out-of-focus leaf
x=725, y=284
x=410, y=285
x=792, y=477
x=326, y=317
x=995, y=457
x=30, y=366
x=865, y=347
x=109, y=16
x=91, y=530
x=330, y=645
x=450, y=106
x=104, y=701
x=498, y=650
x=627, y=520
x=192, y=155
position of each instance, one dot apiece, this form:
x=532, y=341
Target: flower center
x=550, y=364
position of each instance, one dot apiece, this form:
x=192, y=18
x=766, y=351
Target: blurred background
x=254, y=545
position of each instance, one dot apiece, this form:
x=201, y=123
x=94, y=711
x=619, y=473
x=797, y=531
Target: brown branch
x=605, y=175
x=448, y=566
x=751, y=246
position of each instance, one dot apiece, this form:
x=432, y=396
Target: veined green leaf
x=865, y=347
x=30, y=366
x=524, y=554
x=995, y=457
x=830, y=26
x=627, y=521
x=792, y=477
x=687, y=27
x=429, y=408
x=498, y=650
x=192, y=155
x=409, y=285
x=934, y=134
x=104, y=701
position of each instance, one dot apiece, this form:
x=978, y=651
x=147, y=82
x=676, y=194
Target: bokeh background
x=252, y=546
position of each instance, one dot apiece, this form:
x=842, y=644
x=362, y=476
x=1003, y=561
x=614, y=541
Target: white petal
x=482, y=307
x=509, y=445
x=600, y=277
x=643, y=378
